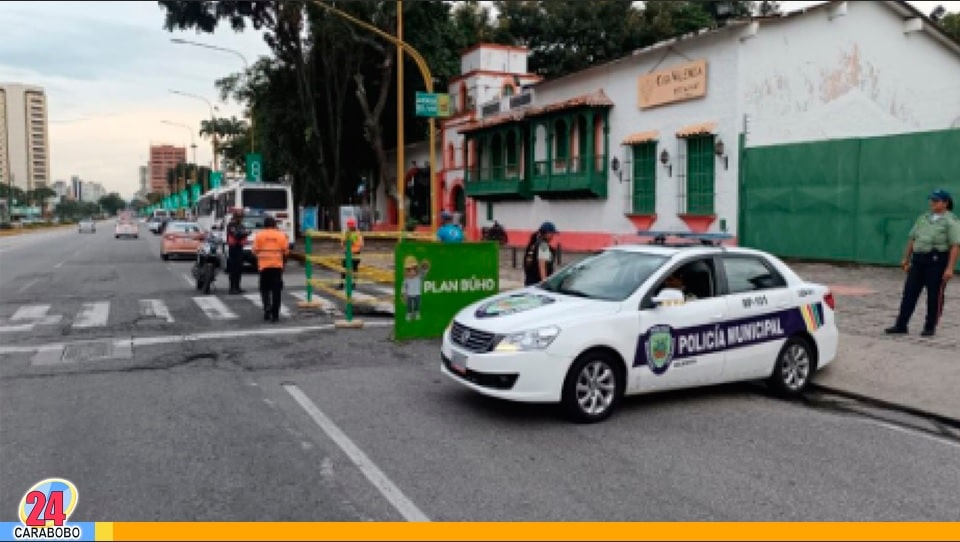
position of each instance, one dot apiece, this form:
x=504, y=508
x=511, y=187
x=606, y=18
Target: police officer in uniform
x=236, y=236
x=929, y=261
x=271, y=247
x=539, y=256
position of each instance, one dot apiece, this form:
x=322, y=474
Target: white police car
x=610, y=326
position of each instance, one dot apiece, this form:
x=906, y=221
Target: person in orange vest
x=356, y=246
x=271, y=247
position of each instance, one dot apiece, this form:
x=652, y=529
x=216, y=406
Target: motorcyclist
x=236, y=236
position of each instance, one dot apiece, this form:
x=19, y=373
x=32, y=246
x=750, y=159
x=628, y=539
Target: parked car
x=87, y=225
x=642, y=319
x=181, y=239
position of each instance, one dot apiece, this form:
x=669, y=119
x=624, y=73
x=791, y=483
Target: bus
x=205, y=211
x=272, y=199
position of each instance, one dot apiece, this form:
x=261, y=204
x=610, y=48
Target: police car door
x=759, y=304
x=680, y=345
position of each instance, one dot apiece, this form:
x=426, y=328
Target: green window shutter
x=700, y=175
x=489, y=210
x=645, y=178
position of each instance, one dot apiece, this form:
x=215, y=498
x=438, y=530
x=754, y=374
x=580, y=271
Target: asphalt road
x=195, y=418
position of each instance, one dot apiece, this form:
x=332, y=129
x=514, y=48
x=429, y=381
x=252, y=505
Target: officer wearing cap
x=449, y=232
x=929, y=261
x=236, y=237
x=539, y=256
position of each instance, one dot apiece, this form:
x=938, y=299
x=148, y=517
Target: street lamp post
x=428, y=83
x=246, y=68
x=213, y=120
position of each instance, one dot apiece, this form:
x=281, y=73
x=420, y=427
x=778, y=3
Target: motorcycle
x=209, y=260
x=495, y=233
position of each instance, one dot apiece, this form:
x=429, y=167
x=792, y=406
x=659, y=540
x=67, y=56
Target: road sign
x=216, y=179
x=255, y=167
x=432, y=104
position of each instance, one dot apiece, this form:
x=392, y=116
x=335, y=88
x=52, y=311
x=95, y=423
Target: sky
x=108, y=68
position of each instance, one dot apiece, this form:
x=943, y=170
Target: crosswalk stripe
x=256, y=300
x=385, y=290
x=364, y=299
x=155, y=308
x=325, y=304
x=30, y=312
x=93, y=315
x=16, y=328
x=214, y=308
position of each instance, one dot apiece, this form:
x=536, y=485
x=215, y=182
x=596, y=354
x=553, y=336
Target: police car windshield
x=611, y=276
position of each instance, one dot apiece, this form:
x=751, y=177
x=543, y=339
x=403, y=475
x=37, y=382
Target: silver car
x=87, y=224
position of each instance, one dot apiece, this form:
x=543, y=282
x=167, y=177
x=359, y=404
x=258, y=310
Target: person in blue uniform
x=450, y=231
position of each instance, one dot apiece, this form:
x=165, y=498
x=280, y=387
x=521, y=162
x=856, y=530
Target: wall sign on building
x=677, y=84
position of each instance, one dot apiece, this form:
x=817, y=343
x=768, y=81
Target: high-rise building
x=24, y=136
x=162, y=159
x=144, y=180
x=76, y=188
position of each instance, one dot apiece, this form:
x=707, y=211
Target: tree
x=233, y=137
x=949, y=23
x=112, y=203
x=566, y=37
x=769, y=7
x=154, y=198
x=39, y=196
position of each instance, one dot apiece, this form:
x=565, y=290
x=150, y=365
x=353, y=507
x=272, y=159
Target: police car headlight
x=534, y=339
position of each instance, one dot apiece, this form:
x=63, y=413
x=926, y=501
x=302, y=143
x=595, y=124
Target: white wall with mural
x=853, y=72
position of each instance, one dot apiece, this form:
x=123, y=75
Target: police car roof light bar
x=707, y=239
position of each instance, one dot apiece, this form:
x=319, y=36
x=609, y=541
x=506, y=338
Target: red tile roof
x=597, y=98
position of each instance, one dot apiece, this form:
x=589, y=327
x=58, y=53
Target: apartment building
x=162, y=159
x=24, y=136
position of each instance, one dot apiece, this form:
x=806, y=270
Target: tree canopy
x=324, y=103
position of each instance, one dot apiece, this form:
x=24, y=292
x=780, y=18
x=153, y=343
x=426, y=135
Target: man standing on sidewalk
x=929, y=261
x=271, y=247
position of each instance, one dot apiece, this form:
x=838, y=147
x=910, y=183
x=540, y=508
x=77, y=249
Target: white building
x=92, y=192
x=24, y=136
x=746, y=129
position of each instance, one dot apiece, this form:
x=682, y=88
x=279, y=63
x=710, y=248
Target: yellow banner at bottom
x=529, y=531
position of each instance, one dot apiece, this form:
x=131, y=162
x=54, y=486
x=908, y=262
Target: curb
x=939, y=418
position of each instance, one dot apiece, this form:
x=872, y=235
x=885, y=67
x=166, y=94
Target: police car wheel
x=795, y=366
x=593, y=387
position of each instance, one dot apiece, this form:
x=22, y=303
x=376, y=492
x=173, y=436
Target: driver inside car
x=675, y=281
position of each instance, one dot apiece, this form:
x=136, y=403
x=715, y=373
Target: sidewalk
x=918, y=377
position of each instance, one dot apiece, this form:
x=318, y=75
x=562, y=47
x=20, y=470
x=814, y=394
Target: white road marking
x=30, y=312
x=59, y=265
x=360, y=298
x=385, y=290
x=26, y=286
x=325, y=304
x=172, y=339
x=214, y=308
x=16, y=328
x=387, y=488
x=93, y=315
x=188, y=279
x=255, y=299
x=155, y=308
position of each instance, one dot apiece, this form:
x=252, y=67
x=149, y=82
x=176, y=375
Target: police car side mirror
x=668, y=297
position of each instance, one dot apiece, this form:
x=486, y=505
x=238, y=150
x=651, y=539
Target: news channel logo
x=44, y=513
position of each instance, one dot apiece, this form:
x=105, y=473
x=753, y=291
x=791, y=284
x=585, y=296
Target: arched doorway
x=458, y=201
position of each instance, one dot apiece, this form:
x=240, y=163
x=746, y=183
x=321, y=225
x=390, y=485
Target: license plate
x=458, y=362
